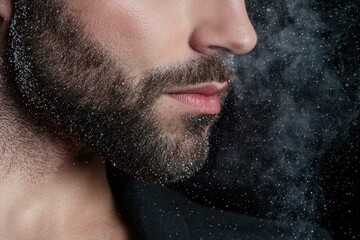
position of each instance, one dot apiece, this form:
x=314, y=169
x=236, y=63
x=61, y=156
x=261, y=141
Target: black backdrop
x=287, y=144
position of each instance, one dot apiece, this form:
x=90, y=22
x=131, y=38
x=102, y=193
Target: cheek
x=137, y=34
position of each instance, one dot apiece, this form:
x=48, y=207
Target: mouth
x=199, y=99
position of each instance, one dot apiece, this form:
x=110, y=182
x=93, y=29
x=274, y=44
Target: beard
x=67, y=81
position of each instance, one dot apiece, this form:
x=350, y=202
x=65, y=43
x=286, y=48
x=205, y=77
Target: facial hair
x=65, y=78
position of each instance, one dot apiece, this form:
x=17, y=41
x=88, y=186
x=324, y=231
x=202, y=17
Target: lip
x=202, y=99
x=209, y=89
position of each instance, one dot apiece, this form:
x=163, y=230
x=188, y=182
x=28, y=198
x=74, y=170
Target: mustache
x=198, y=71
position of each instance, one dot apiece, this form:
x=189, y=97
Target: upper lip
x=208, y=89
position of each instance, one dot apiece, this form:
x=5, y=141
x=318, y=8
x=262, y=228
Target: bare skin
x=48, y=188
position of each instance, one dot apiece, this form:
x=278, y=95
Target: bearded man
x=137, y=84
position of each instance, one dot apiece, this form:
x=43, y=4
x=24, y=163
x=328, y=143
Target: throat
x=76, y=201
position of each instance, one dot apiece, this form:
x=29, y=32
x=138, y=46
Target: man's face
x=139, y=82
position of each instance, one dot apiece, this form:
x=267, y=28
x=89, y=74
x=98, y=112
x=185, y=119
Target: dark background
x=287, y=144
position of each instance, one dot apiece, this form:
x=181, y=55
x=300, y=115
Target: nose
x=222, y=26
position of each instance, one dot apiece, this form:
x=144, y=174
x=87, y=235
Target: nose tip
x=242, y=42
x=228, y=28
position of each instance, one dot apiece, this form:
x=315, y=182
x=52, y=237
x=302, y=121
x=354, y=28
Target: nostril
x=220, y=50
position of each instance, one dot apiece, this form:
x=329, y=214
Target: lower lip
x=199, y=103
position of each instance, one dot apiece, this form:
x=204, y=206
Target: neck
x=29, y=152
x=47, y=188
